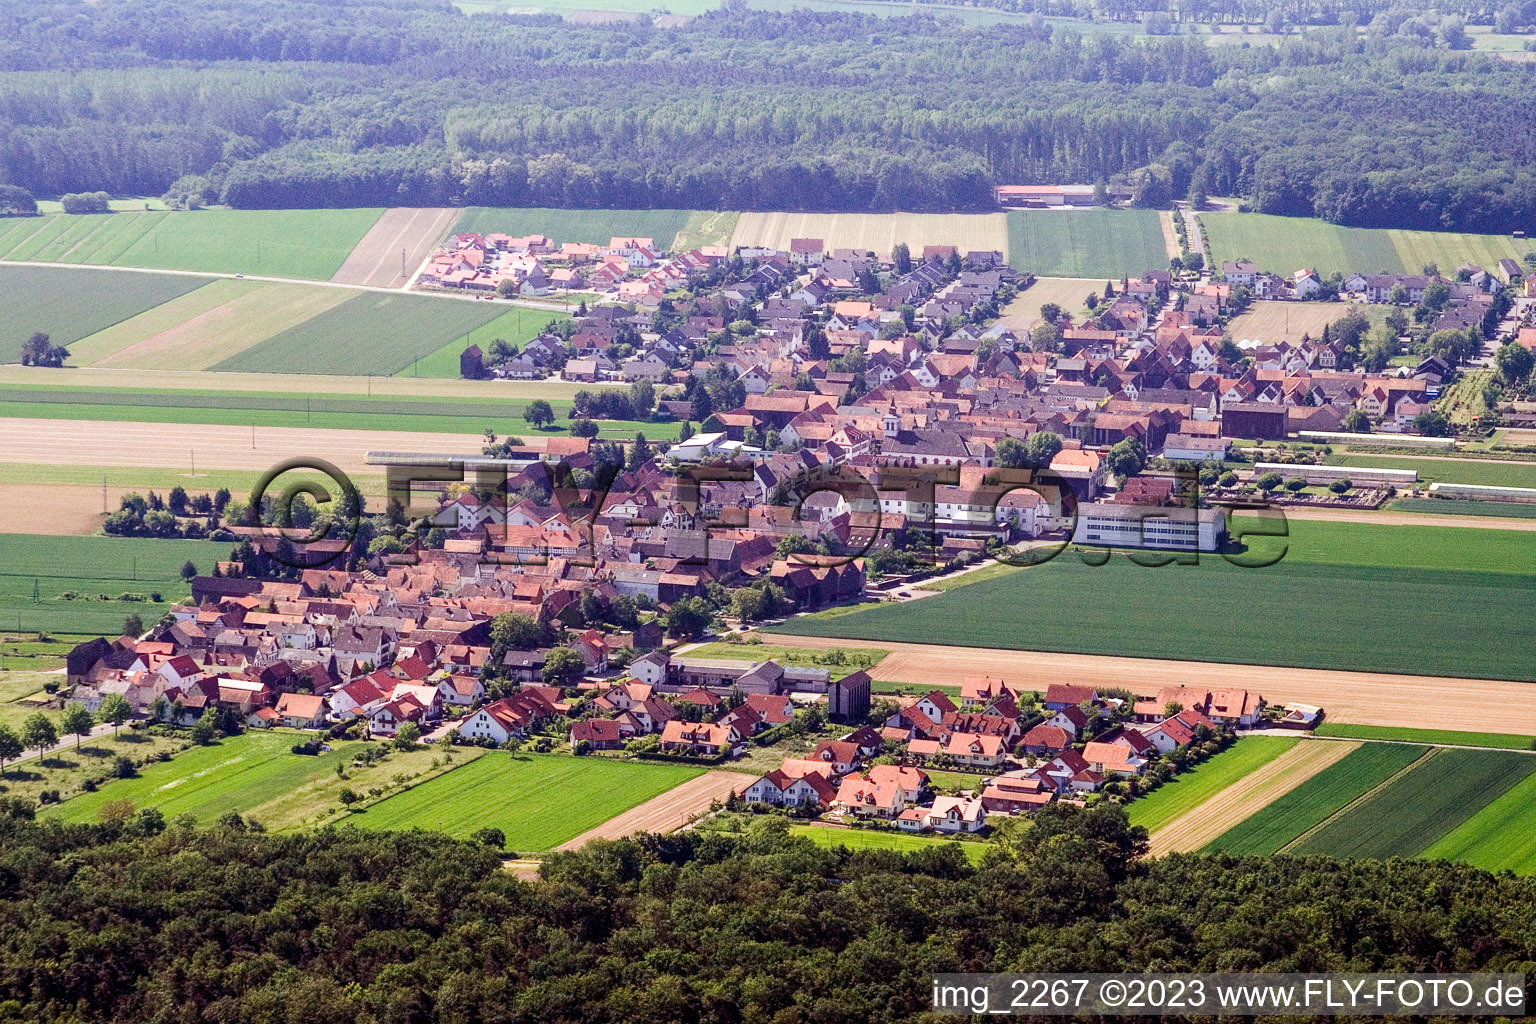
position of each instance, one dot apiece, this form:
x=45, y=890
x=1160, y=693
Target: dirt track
x=1369, y=698
x=108, y=443
x=669, y=811
x=1194, y=828
x=1331, y=515
x=376, y=260
x=290, y=383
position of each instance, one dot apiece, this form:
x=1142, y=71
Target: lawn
x=68, y=305
x=374, y=332
x=538, y=801
x=1443, y=737
x=870, y=839
x=92, y=566
x=1023, y=312
x=517, y=326
x=876, y=232
x=1275, y=321
x=594, y=226
x=1501, y=836
x=1465, y=592
x=1451, y=471
x=1284, y=244
x=1099, y=244
x=1197, y=785
x=1317, y=799
x=841, y=661
x=940, y=779
x=1418, y=808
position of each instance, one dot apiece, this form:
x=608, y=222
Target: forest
x=146, y=920
x=315, y=103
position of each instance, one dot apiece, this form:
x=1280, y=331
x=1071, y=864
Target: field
x=839, y=662
x=1501, y=836
x=1317, y=799
x=1451, y=471
x=379, y=332
x=1442, y=737
x=1456, y=507
x=516, y=326
x=1271, y=321
x=538, y=801
x=1463, y=589
x=1067, y=292
x=584, y=225
x=92, y=566
x=1418, y=808
x=877, y=232
x=1284, y=244
x=870, y=839
x=308, y=244
x=1100, y=244
x=395, y=246
x=1197, y=785
x=68, y=306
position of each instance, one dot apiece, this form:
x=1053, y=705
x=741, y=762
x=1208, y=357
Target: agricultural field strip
x=1362, y=798
x=1199, y=783
x=1500, y=836
x=396, y=246
x=1247, y=796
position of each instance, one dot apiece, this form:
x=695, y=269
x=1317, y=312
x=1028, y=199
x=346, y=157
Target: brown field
x=1170, y=236
x=1067, y=292
x=1365, y=698
x=669, y=811
x=1336, y=515
x=1273, y=321
x=256, y=311
x=285, y=383
x=155, y=320
x=59, y=509
x=46, y=442
x=1247, y=796
x=879, y=232
x=377, y=260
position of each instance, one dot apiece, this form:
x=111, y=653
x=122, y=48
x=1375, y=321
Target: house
x=387, y=718
x=1113, y=759
x=979, y=691
x=462, y=691
x=976, y=750
x=882, y=792
x=1062, y=695
x=1016, y=792
x=597, y=734
x=957, y=814
x=698, y=738
x=1048, y=740
x=301, y=710
x=784, y=790
x=840, y=754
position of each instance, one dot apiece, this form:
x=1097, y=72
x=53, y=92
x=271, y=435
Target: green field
x=68, y=305
x=516, y=326
x=538, y=801
x=375, y=332
x=1284, y=244
x=1450, y=471
x=1418, y=808
x=1441, y=737
x=1456, y=507
x=870, y=839
x=234, y=774
x=1501, y=836
x=1099, y=244
x=270, y=409
x=594, y=226
x=1317, y=799
x=309, y=244
x=1464, y=590
x=839, y=661
x=92, y=566
x=1191, y=788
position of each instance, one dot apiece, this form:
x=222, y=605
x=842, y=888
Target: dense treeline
x=144, y=921
x=313, y=103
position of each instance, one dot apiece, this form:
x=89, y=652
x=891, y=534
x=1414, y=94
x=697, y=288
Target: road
x=1365, y=698
x=65, y=743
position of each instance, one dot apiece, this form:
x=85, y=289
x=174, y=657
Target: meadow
x=1499, y=837
x=1284, y=244
x=1451, y=471
x=1418, y=808
x=1096, y=243
x=838, y=660
x=876, y=232
x=1440, y=737
x=538, y=801
x=306, y=244
x=899, y=842
x=1317, y=799
x=90, y=567
x=1458, y=507
x=1198, y=784
x=1275, y=321
x=377, y=332
x=1067, y=292
x=594, y=226
x=74, y=304
x=517, y=326
x=1464, y=591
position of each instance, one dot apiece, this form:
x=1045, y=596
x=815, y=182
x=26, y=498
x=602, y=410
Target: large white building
x=1141, y=526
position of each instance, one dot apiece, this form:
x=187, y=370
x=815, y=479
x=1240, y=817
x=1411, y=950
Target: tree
x=639, y=453
x=38, y=731
x=1357, y=422
x=206, y=729
x=38, y=351
x=133, y=626
x=348, y=797
x=1051, y=313
x=1172, y=708
x=10, y=746
x=1339, y=486
x=688, y=618
x=495, y=838
x=1009, y=453
x=901, y=256
x=1294, y=484
x=114, y=709
x=583, y=428
x=642, y=396
x=407, y=736
x=1045, y=337
x=1126, y=458
x=1515, y=362
x=1228, y=479
x=1268, y=482
x=1042, y=447
x=1194, y=261
x=188, y=570
x=74, y=719
x=1432, y=423
x=511, y=631
x=538, y=414
x=563, y=666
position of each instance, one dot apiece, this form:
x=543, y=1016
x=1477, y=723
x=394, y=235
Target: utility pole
x=403, y=271
x=103, y=495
